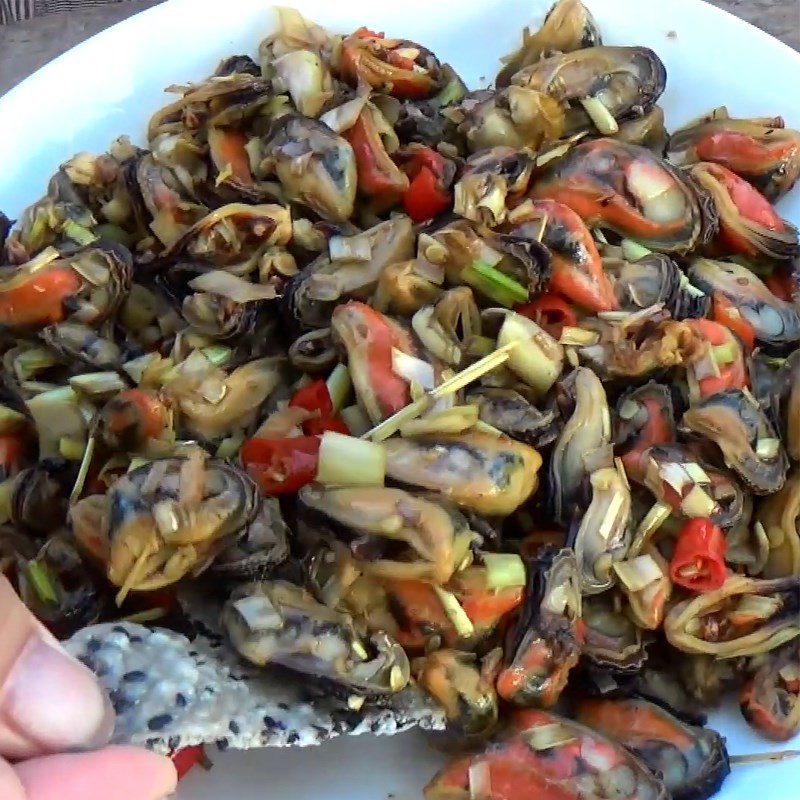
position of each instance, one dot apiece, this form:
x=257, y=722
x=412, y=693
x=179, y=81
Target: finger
x=49, y=702
x=114, y=773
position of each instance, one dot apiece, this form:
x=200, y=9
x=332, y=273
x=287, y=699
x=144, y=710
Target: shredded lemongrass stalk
x=755, y=758
x=455, y=419
x=504, y=570
x=602, y=118
x=455, y=613
x=653, y=520
x=461, y=379
x=348, y=461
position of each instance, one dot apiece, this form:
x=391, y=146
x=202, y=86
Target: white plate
x=112, y=83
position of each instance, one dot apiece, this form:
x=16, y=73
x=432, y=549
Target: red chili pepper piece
x=281, y=466
x=12, y=447
x=313, y=396
x=187, y=758
x=550, y=312
x=427, y=196
x=726, y=313
x=698, y=563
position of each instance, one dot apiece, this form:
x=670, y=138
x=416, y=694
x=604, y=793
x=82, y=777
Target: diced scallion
x=504, y=570
x=347, y=461
x=494, y=284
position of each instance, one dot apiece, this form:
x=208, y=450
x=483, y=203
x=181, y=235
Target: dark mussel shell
x=313, y=352
x=775, y=384
x=692, y=761
x=625, y=81
x=544, y=643
x=568, y=26
x=510, y=412
x=750, y=446
x=234, y=64
x=81, y=343
x=775, y=322
x=275, y=622
x=610, y=184
x=770, y=700
x=613, y=641
x=57, y=587
x=39, y=495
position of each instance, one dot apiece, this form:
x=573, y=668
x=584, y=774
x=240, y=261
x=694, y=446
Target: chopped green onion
x=451, y=93
x=29, y=362
x=698, y=503
x=347, y=461
x=339, y=386
x=724, y=353
x=217, y=354
x=653, y=520
x=504, y=570
x=56, y=414
x=455, y=613
x=38, y=574
x=538, y=359
x=494, y=284
x=633, y=251
x=83, y=236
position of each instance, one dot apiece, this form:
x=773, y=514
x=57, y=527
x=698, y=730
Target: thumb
x=49, y=702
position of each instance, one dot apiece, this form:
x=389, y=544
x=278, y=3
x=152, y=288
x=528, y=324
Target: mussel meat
x=510, y=412
x=779, y=515
x=612, y=640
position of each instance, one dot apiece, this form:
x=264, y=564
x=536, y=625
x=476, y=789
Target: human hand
x=51, y=707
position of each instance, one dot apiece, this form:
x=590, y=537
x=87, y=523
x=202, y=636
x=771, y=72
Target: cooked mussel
x=544, y=643
x=584, y=442
x=625, y=188
x=723, y=365
x=316, y=167
x=132, y=417
x=770, y=700
x=233, y=237
x=568, y=26
x=779, y=515
x=692, y=761
x=600, y=86
x=424, y=531
x=462, y=687
x=771, y=320
x=750, y=446
x=313, y=352
x=39, y=494
x=369, y=339
x=647, y=131
x=490, y=182
x=510, y=117
x=691, y=486
x=312, y=294
x=85, y=287
x=448, y=327
x=745, y=617
x=276, y=622
x=577, y=270
x=492, y=475
x=762, y=151
x=77, y=342
x=169, y=518
x=644, y=417
x=543, y=754
x=510, y=412
x=748, y=224
x=612, y=640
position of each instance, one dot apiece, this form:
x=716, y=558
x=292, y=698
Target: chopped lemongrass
x=455, y=613
x=83, y=471
x=578, y=337
x=359, y=651
x=602, y=118
x=638, y=572
x=653, y=520
x=538, y=359
x=504, y=570
x=348, y=461
x=768, y=448
x=79, y=234
x=217, y=354
x=696, y=472
x=397, y=679
x=56, y=414
x=229, y=447
x=98, y=383
x=456, y=419
x=10, y=420
x=462, y=549
x=633, y=251
x=136, y=366
x=412, y=369
x=356, y=420
x=755, y=758
x=71, y=449
x=339, y=386
x=619, y=464
x=350, y=248
x=355, y=702
x=41, y=581
x=493, y=283
x=545, y=737
x=698, y=503
x=480, y=781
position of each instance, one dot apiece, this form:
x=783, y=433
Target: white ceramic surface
x=110, y=84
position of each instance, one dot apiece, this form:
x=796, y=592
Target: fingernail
x=54, y=701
